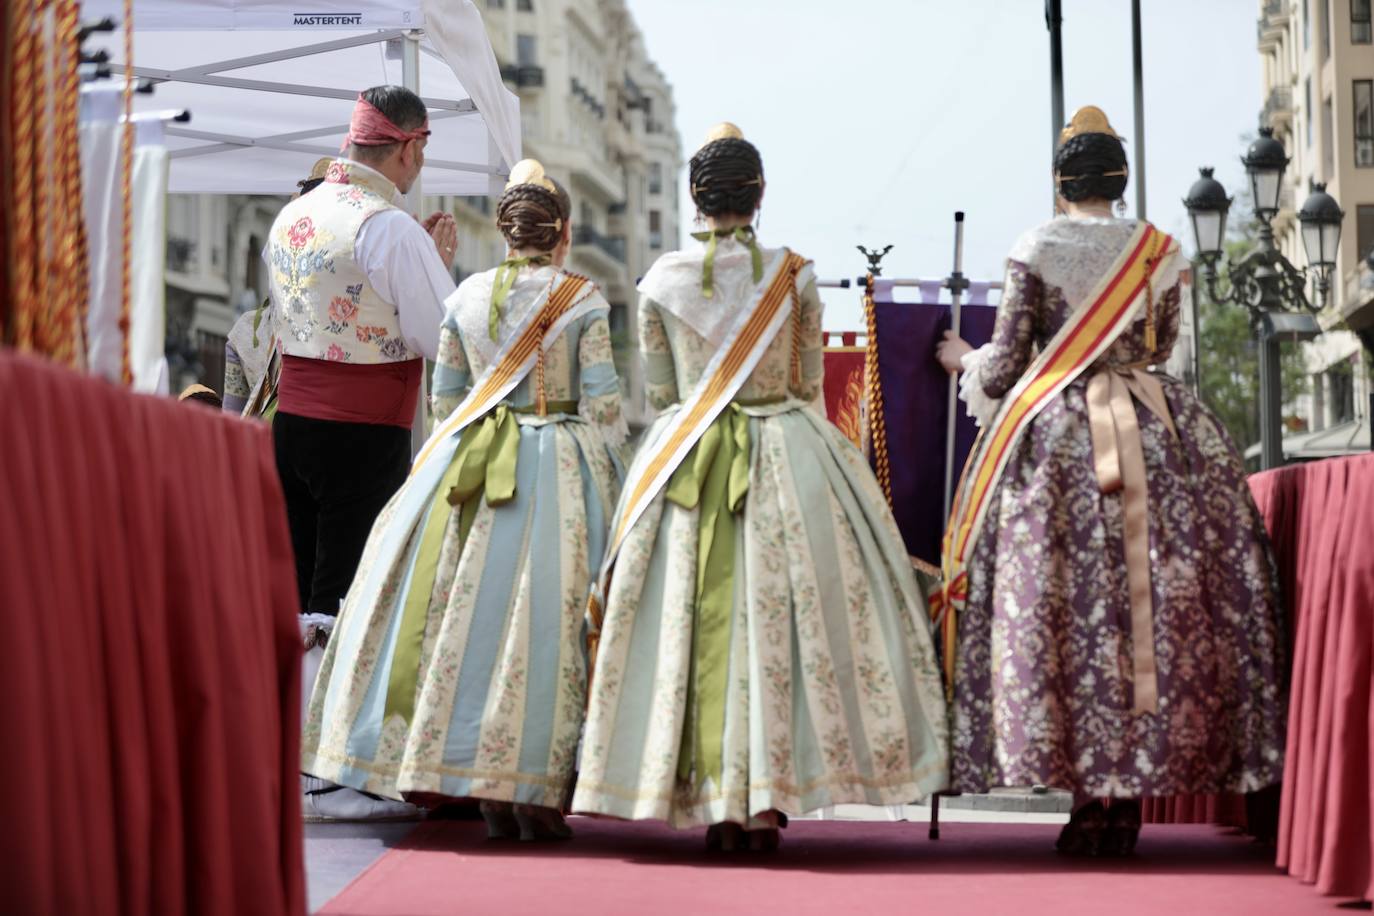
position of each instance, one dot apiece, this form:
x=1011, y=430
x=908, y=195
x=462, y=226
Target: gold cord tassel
x=541, y=400
x=1151, y=342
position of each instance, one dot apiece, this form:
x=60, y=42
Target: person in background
x=358, y=288
x=249, y=350
x=201, y=395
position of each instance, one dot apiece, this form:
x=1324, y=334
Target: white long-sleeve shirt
x=403, y=266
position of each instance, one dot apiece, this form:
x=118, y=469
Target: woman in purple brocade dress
x=1047, y=678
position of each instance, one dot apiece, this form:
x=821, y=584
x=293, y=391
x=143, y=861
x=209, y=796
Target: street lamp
x=1321, y=219
x=1265, y=162
x=1263, y=280
x=1208, y=205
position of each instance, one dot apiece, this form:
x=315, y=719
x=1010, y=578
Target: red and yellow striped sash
x=510, y=367
x=1077, y=346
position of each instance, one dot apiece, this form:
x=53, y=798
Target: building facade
x=595, y=110
x=1318, y=90
x=599, y=114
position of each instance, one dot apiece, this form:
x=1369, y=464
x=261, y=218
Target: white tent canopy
x=271, y=85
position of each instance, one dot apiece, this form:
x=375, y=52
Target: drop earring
x=1121, y=206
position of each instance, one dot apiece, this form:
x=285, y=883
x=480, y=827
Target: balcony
x=598, y=177
x=1278, y=108
x=530, y=77
x=1359, y=295
x=589, y=236
x=1272, y=22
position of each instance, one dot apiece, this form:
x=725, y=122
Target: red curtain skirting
x=150, y=659
x=1321, y=520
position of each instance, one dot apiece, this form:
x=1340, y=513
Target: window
x=1364, y=230
x=252, y=272
x=1328, y=142
x=655, y=178
x=1308, y=108
x=210, y=351
x=525, y=6
x=1364, y=123
x=1306, y=26
x=496, y=4
x=1360, y=31
x=619, y=320
x=655, y=229
x=1340, y=387
x=1326, y=29
x=524, y=51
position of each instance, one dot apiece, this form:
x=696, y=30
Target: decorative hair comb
x=1087, y=120
x=530, y=171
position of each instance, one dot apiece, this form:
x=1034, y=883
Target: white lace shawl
x=674, y=284
x=1070, y=254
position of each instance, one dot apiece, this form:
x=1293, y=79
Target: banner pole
x=956, y=284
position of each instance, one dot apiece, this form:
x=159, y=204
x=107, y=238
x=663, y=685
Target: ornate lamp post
x=1264, y=281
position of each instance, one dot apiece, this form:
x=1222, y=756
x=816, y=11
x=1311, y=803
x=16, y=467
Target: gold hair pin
x=1118, y=172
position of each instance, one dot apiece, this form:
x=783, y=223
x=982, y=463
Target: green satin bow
x=742, y=234
x=484, y=463
x=505, y=280
x=257, y=319
x=715, y=478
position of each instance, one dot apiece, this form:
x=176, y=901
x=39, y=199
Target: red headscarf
x=369, y=127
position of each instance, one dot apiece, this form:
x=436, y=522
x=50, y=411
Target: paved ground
x=335, y=854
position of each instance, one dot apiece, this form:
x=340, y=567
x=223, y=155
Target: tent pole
x=1137, y=58
x=410, y=79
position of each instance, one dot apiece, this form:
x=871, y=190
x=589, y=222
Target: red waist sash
x=383, y=394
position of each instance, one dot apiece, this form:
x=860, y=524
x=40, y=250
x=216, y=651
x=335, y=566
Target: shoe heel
x=501, y=822
x=529, y=830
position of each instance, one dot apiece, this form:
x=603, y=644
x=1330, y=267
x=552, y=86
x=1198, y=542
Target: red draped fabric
x=151, y=689
x=1195, y=809
x=1321, y=520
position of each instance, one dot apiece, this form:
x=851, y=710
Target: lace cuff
x=976, y=401
x=315, y=631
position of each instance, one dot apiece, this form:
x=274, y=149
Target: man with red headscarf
x=358, y=287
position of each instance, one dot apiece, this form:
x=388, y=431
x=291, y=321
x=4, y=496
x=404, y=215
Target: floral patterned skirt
x=499, y=691
x=833, y=693
x=1044, y=672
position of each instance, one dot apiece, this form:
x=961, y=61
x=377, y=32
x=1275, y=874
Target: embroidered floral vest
x=326, y=309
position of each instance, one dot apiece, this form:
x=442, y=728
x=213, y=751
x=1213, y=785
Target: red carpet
x=618, y=869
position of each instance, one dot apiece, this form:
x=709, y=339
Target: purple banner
x=916, y=407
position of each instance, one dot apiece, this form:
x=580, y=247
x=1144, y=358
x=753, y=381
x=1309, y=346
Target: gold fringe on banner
x=45, y=282
x=873, y=392
x=127, y=195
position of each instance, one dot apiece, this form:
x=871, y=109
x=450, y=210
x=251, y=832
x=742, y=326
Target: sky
x=878, y=119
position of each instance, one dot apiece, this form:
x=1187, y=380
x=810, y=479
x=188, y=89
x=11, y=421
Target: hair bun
x=726, y=174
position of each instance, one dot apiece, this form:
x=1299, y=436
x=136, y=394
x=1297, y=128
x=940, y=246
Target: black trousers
x=336, y=478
